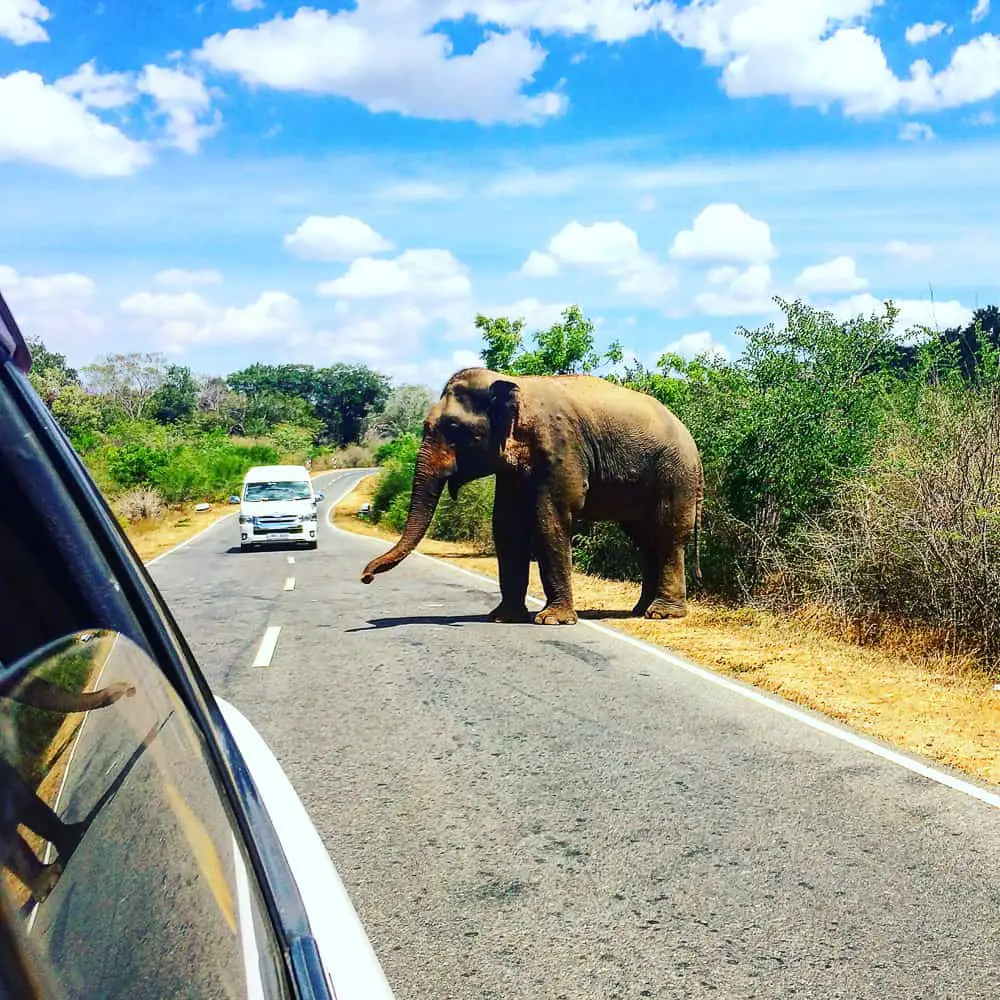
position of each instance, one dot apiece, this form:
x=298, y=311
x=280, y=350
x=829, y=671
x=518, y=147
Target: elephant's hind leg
x=671, y=595
x=649, y=563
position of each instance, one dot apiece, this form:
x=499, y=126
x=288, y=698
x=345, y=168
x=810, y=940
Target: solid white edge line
x=193, y=538
x=267, y=645
x=290, y=583
x=787, y=709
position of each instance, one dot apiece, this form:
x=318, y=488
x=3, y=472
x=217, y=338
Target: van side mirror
x=320, y=496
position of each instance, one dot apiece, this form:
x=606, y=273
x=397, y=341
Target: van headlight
x=246, y=518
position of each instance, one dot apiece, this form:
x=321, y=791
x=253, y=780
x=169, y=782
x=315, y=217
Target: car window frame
x=160, y=635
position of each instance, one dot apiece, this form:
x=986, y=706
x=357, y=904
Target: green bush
x=469, y=517
x=210, y=470
x=605, y=550
x=394, y=517
x=402, y=449
x=135, y=464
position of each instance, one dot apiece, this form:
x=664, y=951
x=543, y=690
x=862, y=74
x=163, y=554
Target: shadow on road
x=450, y=620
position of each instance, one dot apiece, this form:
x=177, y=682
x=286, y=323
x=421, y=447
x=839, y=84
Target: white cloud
x=540, y=265
x=386, y=58
x=916, y=132
x=837, y=275
x=21, y=21
x=165, y=306
x=98, y=90
x=184, y=101
x=748, y=293
x=246, y=5
x=339, y=238
x=186, y=319
x=179, y=278
x=612, y=248
x=603, y=244
x=980, y=11
x=41, y=124
x=984, y=118
x=973, y=74
x=917, y=34
x=911, y=252
x=57, y=308
x=535, y=183
x=913, y=312
x=424, y=274
x=413, y=191
x=818, y=53
x=537, y=315
x=694, y=344
x=725, y=233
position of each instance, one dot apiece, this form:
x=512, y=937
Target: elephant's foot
x=45, y=881
x=512, y=613
x=553, y=614
x=641, y=607
x=661, y=608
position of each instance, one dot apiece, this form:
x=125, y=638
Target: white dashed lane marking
x=291, y=560
x=266, y=649
x=290, y=583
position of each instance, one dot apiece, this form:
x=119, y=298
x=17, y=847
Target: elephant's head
x=471, y=431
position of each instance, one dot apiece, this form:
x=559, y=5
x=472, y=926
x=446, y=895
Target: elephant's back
x=606, y=403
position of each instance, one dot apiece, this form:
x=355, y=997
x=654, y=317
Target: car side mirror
x=234, y=500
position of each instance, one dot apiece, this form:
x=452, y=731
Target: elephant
x=563, y=448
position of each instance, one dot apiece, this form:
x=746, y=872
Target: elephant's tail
x=698, y=502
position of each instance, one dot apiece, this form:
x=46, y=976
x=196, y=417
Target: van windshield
x=277, y=491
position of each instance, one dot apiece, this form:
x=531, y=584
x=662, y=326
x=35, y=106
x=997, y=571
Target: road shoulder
x=942, y=710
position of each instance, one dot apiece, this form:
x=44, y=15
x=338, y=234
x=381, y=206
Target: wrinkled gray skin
x=562, y=447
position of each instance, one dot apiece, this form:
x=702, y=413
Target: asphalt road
x=530, y=812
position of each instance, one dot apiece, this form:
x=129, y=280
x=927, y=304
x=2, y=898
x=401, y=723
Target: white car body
x=276, y=519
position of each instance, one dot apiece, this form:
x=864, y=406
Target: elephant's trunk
x=435, y=462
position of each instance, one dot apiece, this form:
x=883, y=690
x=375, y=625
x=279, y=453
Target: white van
x=278, y=505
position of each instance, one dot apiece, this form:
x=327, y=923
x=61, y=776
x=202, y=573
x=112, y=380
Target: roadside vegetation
x=161, y=441
x=851, y=467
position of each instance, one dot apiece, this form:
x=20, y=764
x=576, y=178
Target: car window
x=120, y=871
x=118, y=856
x=277, y=491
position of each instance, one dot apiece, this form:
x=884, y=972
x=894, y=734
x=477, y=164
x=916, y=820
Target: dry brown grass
x=903, y=691
x=152, y=538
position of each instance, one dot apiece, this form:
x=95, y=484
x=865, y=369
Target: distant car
x=151, y=845
x=278, y=505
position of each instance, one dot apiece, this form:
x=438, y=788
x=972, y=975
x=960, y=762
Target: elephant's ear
x=509, y=429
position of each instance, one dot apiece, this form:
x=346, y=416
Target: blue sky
x=242, y=180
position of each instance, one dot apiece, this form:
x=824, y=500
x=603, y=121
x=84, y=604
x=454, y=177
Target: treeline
x=844, y=468
x=154, y=434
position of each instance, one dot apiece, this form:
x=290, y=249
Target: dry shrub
x=140, y=504
x=917, y=539
x=353, y=456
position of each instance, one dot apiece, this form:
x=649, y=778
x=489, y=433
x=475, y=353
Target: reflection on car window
x=256, y=492
x=117, y=852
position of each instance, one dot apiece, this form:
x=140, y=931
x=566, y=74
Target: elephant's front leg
x=555, y=565
x=512, y=540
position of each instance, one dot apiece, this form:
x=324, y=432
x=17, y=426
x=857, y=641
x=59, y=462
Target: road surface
x=529, y=812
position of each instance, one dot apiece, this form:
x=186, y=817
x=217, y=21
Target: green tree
x=175, y=399
x=404, y=413
x=341, y=396
x=565, y=348
x=127, y=381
